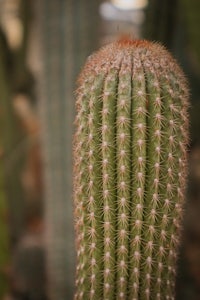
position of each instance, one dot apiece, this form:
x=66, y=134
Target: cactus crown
x=129, y=171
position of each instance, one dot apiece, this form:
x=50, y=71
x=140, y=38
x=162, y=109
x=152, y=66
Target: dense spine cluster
x=129, y=172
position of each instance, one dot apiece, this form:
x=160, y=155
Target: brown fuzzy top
x=143, y=49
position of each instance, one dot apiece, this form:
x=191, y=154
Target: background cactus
x=65, y=34
x=130, y=171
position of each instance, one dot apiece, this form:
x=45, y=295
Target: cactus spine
x=129, y=171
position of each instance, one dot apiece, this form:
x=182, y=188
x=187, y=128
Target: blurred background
x=43, y=44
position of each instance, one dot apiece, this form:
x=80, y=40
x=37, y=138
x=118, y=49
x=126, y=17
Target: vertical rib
x=138, y=162
x=80, y=191
x=123, y=138
x=95, y=198
x=109, y=179
x=151, y=211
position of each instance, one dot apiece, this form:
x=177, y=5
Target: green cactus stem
x=129, y=172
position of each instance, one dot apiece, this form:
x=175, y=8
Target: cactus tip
x=125, y=41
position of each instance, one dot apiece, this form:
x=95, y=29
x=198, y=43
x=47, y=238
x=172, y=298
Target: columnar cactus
x=129, y=171
x=66, y=29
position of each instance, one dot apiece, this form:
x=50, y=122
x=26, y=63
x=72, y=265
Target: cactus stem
x=130, y=166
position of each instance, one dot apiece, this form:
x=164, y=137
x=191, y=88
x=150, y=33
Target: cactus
x=65, y=36
x=129, y=171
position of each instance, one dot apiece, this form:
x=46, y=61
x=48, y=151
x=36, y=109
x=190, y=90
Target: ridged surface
x=64, y=35
x=129, y=172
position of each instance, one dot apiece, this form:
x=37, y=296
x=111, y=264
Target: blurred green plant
x=4, y=238
x=68, y=32
x=4, y=226
x=160, y=21
x=12, y=78
x=190, y=10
